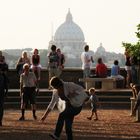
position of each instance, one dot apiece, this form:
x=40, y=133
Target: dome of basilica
x=69, y=31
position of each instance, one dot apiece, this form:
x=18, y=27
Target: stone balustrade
x=68, y=74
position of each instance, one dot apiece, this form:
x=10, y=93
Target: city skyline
x=31, y=23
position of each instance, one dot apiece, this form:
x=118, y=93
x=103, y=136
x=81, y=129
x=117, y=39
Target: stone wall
x=67, y=75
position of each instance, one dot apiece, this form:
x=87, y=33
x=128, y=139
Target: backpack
x=53, y=60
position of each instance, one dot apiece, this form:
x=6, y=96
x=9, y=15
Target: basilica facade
x=69, y=37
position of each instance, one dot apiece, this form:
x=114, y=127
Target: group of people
x=132, y=77
x=131, y=68
x=101, y=68
x=68, y=96
x=56, y=62
x=29, y=79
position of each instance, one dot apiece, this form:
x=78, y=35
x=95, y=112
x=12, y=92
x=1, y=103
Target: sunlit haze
x=31, y=23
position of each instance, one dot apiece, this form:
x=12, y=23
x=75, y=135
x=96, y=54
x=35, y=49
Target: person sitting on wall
x=21, y=61
x=36, y=66
x=100, y=72
x=101, y=69
x=115, y=72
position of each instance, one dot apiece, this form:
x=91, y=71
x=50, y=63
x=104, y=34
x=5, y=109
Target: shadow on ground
x=112, y=125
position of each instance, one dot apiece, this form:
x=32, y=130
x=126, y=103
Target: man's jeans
x=67, y=116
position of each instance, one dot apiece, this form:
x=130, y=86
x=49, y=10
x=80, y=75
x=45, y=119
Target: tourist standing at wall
x=27, y=90
x=61, y=61
x=74, y=97
x=128, y=68
x=53, y=61
x=3, y=63
x=2, y=58
x=21, y=61
x=134, y=69
x=86, y=59
x=3, y=91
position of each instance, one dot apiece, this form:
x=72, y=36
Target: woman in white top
x=69, y=98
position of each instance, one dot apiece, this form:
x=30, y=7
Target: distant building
x=69, y=37
x=101, y=50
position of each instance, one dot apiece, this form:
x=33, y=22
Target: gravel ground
x=112, y=125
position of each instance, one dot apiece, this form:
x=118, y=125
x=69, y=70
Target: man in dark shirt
x=3, y=91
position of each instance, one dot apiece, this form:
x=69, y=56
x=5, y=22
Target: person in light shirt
x=86, y=59
x=94, y=104
x=115, y=71
x=73, y=97
x=28, y=83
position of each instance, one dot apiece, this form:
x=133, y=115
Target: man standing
x=3, y=91
x=86, y=59
x=61, y=61
x=27, y=90
x=53, y=62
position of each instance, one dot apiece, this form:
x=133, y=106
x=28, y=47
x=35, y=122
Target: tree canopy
x=134, y=49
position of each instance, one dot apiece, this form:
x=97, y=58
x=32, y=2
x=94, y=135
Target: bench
x=108, y=83
x=135, y=90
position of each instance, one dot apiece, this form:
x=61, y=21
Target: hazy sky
x=28, y=23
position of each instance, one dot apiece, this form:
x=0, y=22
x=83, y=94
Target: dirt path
x=112, y=125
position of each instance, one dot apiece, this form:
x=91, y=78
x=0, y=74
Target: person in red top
x=101, y=69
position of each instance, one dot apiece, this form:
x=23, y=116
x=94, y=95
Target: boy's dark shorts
x=28, y=95
x=94, y=108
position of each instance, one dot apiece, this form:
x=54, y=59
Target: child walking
x=94, y=104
